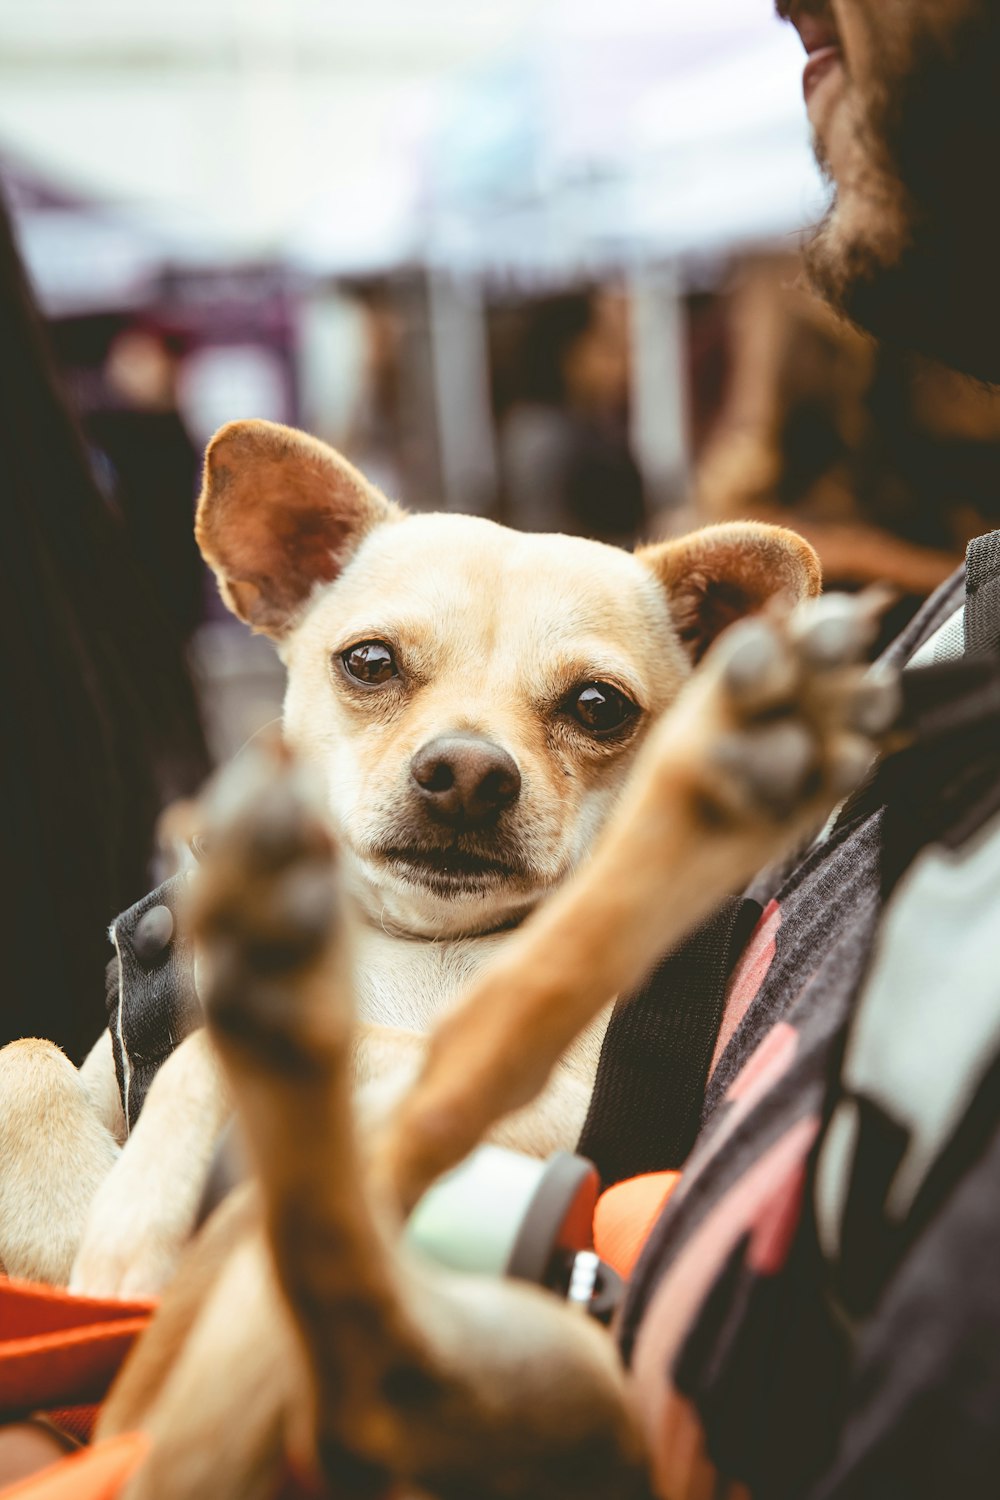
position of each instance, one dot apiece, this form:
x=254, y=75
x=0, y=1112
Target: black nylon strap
x=945, y=785
x=982, y=595
x=650, y=1085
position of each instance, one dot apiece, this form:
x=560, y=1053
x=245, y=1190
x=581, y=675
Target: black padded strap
x=944, y=785
x=982, y=596
x=650, y=1086
x=151, y=996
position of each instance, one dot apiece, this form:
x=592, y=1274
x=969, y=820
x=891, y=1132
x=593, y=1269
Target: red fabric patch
x=57, y=1350
x=683, y=1467
x=748, y=976
x=776, y=1223
x=766, y=1063
x=682, y=1292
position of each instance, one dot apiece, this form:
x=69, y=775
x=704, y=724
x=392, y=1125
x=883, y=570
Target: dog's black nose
x=465, y=780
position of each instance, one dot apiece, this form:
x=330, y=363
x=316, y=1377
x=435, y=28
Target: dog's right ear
x=279, y=513
x=721, y=573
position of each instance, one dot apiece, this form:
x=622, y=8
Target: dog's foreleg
x=214, y=1379
x=457, y=1386
x=775, y=727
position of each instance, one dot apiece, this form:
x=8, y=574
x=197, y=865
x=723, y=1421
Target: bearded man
x=817, y=1313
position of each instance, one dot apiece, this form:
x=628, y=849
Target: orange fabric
x=625, y=1216
x=58, y=1350
x=92, y=1474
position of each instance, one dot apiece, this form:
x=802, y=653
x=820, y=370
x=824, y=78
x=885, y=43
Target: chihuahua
x=301, y=1340
x=472, y=702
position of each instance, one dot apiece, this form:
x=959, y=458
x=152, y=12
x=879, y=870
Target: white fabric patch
x=946, y=644
x=928, y=1025
x=833, y=1175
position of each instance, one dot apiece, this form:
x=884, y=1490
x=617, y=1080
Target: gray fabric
x=833, y=890
x=946, y=644
x=982, y=622
x=928, y=1022
x=872, y=1373
x=923, y=1409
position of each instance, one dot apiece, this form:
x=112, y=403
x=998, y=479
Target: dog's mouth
x=453, y=868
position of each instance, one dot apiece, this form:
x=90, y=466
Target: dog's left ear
x=720, y=574
x=279, y=513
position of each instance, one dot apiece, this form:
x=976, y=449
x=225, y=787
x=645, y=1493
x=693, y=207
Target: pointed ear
x=280, y=512
x=717, y=575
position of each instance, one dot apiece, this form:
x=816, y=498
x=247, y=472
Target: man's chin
x=906, y=288
x=909, y=249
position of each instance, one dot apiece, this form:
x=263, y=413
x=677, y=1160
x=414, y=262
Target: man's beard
x=910, y=249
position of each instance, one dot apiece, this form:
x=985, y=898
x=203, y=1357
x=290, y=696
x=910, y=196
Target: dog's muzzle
x=453, y=867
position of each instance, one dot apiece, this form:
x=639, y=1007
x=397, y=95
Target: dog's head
x=472, y=696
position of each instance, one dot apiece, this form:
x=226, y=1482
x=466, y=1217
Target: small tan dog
x=444, y=652
x=299, y=1333
x=472, y=701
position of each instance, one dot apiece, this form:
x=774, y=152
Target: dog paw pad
x=759, y=667
x=771, y=765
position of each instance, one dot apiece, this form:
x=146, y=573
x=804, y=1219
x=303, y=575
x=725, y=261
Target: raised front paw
x=265, y=914
x=798, y=717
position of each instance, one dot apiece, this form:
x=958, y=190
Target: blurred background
x=535, y=259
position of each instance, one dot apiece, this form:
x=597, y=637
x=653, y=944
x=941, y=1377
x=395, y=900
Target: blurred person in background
x=566, y=464
x=154, y=467
x=100, y=722
x=888, y=462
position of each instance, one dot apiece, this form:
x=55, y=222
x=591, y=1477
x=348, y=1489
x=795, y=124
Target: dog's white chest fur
x=404, y=984
x=407, y=982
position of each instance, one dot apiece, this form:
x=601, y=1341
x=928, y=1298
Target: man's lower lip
x=819, y=65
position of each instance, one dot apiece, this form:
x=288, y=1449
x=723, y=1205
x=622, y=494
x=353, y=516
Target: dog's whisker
x=262, y=729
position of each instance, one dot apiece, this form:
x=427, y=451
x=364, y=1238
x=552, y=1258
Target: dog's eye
x=370, y=662
x=601, y=708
